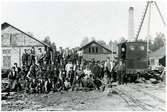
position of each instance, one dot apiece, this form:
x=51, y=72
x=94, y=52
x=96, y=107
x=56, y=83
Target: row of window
x=93, y=49
x=132, y=48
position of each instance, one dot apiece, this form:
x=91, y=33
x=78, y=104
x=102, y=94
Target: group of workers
x=62, y=70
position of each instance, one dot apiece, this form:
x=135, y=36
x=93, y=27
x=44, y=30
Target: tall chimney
x=131, y=25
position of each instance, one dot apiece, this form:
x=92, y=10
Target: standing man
x=61, y=55
x=121, y=72
x=108, y=67
x=40, y=57
x=12, y=78
x=32, y=54
x=47, y=56
x=25, y=58
x=29, y=58
x=114, y=74
x=17, y=69
x=68, y=66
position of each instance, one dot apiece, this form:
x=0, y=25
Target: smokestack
x=131, y=36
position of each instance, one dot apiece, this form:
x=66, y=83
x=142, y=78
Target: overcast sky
x=67, y=23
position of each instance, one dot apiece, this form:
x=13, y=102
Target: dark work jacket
x=47, y=55
x=71, y=74
x=96, y=70
x=25, y=57
x=12, y=75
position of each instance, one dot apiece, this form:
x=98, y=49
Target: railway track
x=133, y=102
x=146, y=93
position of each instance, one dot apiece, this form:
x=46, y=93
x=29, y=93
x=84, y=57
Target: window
x=96, y=49
x=142, y=48
x=132, y=48
x=6, y=61
x=5, y=39
x=89, y=49
x=6, y=51
x=13, y=39
x=93, y=50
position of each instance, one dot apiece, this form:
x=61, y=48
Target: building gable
x=11, y=36
x=95, y=48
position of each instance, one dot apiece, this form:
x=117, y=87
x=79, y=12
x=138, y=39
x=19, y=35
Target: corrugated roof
x=5, y=25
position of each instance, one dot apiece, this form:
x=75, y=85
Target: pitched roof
x=158, y=53
x=95, y=43
x=5, y=25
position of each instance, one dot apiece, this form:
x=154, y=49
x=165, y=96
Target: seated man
x=58, y=85
x=40, y=86
x=12, y=79
x=77, y=79
x=67, y=85
x=33, y=86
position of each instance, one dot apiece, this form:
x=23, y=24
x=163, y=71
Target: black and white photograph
x=83, y=55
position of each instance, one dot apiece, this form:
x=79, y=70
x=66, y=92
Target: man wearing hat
x=108, y=67
x=40, y=57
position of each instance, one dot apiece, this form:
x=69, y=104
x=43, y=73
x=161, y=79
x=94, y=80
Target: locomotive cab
x=134, y=55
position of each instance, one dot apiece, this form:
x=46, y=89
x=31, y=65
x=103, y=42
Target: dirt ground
x=130, y=97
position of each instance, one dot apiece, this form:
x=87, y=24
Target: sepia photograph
x=83, y=55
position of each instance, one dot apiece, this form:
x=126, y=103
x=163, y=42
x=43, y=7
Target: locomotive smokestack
x=131, y=25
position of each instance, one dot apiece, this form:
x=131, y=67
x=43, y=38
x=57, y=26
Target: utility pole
x=148, y=28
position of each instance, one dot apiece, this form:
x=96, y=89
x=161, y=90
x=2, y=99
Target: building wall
x=94, y=51
x=13, y=44
x=97, y=57
x=15, y=55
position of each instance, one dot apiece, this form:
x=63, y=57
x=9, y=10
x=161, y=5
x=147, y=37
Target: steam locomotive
x=134, y=55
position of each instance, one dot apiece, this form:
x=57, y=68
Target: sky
x=67, y=23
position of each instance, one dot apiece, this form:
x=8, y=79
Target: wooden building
x=13, y=43
x=94, y=50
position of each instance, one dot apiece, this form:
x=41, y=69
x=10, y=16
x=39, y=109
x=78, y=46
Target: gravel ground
x=124, y=97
